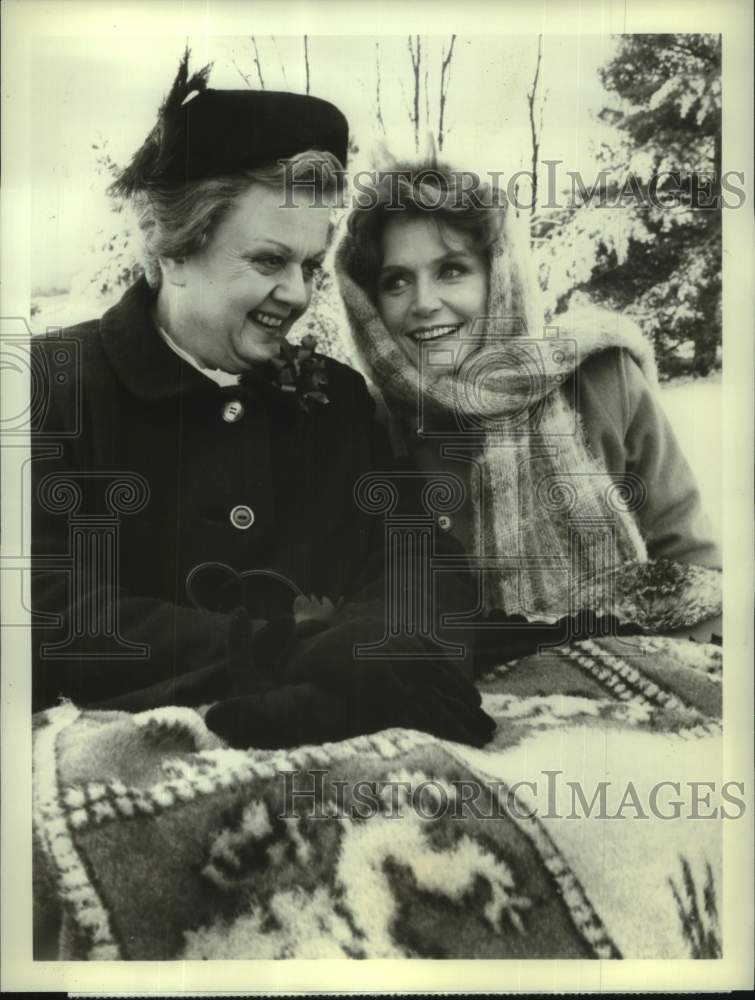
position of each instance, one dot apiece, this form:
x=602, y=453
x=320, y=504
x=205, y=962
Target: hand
x=257, y=651
x=288, y=693
x=513, y=637
x=403, y=688
x=289, y=716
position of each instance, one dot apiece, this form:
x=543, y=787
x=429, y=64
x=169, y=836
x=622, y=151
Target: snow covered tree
x=655, y=252
x=112, y=263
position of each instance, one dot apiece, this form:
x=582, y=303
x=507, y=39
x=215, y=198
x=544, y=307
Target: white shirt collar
x=219, y=377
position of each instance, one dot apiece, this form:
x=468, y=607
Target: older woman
x=568, y=463
x=194, y=483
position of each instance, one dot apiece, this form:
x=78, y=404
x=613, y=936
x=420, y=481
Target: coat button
x=242, y=517
x=445, y=523
x=233, y=411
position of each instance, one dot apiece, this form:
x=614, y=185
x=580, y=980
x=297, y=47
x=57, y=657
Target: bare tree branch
x=243, y=76
x=416, y=57
x=427, y=100
x=257, y=63
x=306, y=62
x=404, y=98
x=542, y=112
x=445, y=79
x=378, y=105
x=534, y=131
x=280, y=60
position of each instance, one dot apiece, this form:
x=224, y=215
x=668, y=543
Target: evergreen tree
x=657, y=253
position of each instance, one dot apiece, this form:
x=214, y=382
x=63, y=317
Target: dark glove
x=327, y=694
x=256, y=656
x=510, y=637
x=395, y=690
x=258, y=651
x=289, y=716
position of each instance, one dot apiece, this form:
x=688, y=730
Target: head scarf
x=548, y=517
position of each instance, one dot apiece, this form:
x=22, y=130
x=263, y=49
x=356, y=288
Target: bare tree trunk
x=280, y=60
x=306, y=62
x=416, y=57
x=445, y=79
x=257, y=61
x=378, y=104
x=534, y=131
x=427, y=100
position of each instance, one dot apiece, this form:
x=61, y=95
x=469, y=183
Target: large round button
x=242, y=517
x=445, y=523
x=233, y=411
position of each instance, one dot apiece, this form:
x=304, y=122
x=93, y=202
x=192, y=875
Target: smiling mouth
x=271, y=323
x=433, y=332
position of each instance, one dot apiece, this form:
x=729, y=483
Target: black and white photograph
x=377, y=496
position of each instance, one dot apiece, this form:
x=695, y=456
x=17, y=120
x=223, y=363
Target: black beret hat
x=202, y=133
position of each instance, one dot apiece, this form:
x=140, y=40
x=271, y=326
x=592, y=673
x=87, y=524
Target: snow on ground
x=64, y=309
x=692, y=405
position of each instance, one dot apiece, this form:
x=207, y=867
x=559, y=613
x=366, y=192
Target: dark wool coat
x=125, y=408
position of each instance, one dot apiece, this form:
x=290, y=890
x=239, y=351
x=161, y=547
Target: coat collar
x=151, y=370
x=142, y=360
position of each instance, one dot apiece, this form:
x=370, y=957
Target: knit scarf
x=548, y=517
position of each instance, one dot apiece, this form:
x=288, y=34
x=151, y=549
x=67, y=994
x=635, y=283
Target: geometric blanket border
x=76, y=889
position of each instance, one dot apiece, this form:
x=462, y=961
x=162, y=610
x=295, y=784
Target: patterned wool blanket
x=577, y=833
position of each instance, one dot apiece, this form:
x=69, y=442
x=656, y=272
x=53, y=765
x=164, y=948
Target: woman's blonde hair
x=177, y=221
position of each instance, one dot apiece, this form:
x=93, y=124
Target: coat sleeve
x=76, y=654
x=672, y=519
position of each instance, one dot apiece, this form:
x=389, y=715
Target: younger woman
x=569, y=465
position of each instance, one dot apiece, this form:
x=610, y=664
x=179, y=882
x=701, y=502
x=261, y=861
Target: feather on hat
x=202, y=133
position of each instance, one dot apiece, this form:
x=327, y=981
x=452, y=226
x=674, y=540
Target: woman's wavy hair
x=429, y=191
x=179, y=220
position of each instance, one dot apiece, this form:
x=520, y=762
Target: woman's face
x=232, y=303
x=432, y=285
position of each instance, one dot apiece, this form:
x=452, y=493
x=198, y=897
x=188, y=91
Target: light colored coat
x=624, y=425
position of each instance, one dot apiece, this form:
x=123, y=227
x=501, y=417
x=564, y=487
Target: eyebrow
x=274, y=243
x=284, y=248
x=449, y=255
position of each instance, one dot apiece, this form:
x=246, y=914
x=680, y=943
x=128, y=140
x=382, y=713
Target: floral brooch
x=300, y=371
